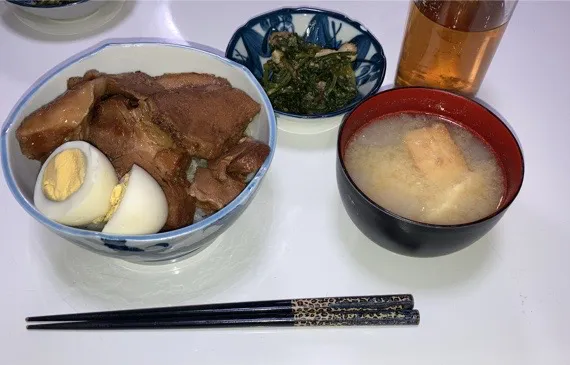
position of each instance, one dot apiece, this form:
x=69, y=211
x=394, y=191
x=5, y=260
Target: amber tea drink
x=450, y=44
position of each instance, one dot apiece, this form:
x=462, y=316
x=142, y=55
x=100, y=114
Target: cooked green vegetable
x=304, y=78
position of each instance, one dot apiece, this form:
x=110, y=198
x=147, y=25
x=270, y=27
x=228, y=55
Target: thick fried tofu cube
x=435, y=153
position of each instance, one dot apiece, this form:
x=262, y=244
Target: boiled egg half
x=138, y=205
x=74, y=184
x=78, y=186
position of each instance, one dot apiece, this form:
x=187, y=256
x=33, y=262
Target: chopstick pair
x=334, y=311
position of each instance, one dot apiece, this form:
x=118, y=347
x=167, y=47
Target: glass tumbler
x=450, y=44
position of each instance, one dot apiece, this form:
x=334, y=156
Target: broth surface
x=405, y=164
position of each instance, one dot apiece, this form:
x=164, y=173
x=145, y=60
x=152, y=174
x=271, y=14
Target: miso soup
x=426, y=169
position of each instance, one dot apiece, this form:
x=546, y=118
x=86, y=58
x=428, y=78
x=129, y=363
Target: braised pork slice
x=204, y=120
x=126, y=135
x=171, y=81
x=212, y=194
x=139, y=84
x=136, y=85
x=63, y=119
x=75, y=81
x=133, y=84
x=240, y=160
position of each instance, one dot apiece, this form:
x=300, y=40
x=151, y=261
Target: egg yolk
x=64, y=174
x=116, y=197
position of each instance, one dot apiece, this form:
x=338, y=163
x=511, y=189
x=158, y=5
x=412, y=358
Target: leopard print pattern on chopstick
x=323, y=317
x=384, y=302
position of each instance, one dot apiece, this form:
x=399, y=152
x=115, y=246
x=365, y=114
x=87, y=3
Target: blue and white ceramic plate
x=59, y=10
x=249, y=46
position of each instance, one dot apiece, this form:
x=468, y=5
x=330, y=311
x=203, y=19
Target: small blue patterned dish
x=249, y=47
x=155, y=57
x=59, y=9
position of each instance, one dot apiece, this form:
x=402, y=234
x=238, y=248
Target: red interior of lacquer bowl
x=455, y=108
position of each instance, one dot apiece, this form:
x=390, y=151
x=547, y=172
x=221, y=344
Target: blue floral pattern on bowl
x=249, y=45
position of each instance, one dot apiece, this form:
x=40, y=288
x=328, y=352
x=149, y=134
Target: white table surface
x=503, y=300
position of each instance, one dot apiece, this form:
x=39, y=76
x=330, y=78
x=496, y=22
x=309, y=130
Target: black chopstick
x=241, y=310
x=362, y=318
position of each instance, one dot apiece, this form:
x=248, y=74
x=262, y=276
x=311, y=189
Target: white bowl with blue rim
x=155, y=57
x=58, y=9
x=249, y=47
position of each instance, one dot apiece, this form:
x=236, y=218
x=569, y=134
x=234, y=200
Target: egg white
x=91, y=200
x=143, y=208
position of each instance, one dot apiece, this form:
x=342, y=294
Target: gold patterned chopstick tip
x=377, y=302
x=319, y=317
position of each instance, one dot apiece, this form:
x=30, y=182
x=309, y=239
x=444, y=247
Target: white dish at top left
x=106, y=11
x=58, y=10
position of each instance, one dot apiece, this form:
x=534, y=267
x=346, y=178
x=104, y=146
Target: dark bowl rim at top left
x=394, y=215
x=40, y=5
x=313, y=10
